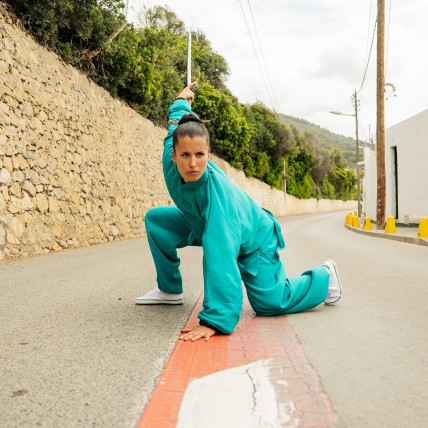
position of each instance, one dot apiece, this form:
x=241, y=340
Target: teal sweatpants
x=269, y=291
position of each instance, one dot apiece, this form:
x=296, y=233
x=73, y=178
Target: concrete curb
x=394, y=237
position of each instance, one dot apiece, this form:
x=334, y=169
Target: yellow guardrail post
x=348, y=219
x=367, y=224
x=355, y=221
x=390, y=225
x=423, y=228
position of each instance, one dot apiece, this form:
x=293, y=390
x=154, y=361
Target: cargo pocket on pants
x=249, y=263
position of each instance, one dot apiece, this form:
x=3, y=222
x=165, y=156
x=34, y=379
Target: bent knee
x=153, y=213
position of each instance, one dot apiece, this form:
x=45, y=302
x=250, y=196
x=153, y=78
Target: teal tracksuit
x=240, y=241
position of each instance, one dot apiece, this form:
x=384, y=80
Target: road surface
x=75, y=351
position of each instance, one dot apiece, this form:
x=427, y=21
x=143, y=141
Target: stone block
x=3, y=206
x=2, y=235
x=15, y=189
x=36, y=124
x=15, y=205
x=5, y=193
x=27, y=109
x=4, y=176
x=17, y=176
x=9, y=44
x=11, y=238
x=7, y=163
x=19, y=162
x=16, y=227
x=28, y=237
x=53, y=204
x=29, y=188
x=26, y=202
x=41, y=202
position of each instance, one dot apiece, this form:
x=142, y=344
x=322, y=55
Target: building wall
x=369, y=184
x=410, y=138
x=78, y=167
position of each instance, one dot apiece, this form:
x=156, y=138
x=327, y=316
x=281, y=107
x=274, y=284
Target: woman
x=240, y=240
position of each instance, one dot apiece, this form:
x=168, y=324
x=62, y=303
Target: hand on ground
x=196, y=333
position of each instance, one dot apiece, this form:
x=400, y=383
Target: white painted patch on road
x=246, y=396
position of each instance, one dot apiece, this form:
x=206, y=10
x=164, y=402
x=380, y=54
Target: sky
x=306, y=58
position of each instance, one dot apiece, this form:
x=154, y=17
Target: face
x=191, y=157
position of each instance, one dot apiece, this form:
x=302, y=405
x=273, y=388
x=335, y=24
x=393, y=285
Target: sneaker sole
x=159, y=302
x=331, y=302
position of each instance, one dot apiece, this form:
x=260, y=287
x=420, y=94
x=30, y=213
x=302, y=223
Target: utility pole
x=357, y=152
x=380, y=112
x=357, y=146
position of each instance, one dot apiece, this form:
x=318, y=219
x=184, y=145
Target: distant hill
x=326, y=139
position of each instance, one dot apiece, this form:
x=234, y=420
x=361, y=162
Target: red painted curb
x=254, y=339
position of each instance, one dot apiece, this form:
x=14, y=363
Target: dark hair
x=190, y=126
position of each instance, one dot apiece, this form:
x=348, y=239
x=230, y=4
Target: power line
x=252, y=42
x=263, y=56
x=368, y=30
x=254, y=48
x=368, y=59
x=387, y=40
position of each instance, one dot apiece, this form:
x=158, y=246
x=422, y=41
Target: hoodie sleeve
x=175, y=112
x=223, y=296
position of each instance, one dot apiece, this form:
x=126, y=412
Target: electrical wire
x=368, y=31
x=254, y=48
x=387, y=40
x=368, y=59
x=263, y=56
x=252, y=43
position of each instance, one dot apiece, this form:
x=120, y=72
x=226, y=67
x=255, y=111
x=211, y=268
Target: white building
x=406, y=169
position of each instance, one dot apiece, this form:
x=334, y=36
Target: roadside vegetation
x=145, y=66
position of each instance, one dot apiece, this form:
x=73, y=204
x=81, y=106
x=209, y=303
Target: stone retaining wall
x=278, y=202
x=78, y=167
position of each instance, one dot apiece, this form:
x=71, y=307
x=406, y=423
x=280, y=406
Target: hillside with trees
x=323, y=137
x=145, y=66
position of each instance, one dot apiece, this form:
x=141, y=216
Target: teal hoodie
x=228, y=224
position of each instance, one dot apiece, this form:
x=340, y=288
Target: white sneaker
x=334, y=286
x=158, y=297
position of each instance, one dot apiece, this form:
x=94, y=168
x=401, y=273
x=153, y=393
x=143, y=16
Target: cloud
x=316, y=52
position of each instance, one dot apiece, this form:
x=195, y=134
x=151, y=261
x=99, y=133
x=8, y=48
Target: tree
x=343, y=182
x=70, y=27
x=160, y=17
x=208, y=65
x=229, y=130
x=299, y=181
x=146, y=67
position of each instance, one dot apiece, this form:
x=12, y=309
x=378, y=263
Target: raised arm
x=180, y=106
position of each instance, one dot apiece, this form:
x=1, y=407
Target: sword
x=189, y=58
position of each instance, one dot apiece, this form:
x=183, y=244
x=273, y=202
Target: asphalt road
x=76, y=352
x=370, y=350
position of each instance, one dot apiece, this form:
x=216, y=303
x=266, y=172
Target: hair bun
x=189, y=118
